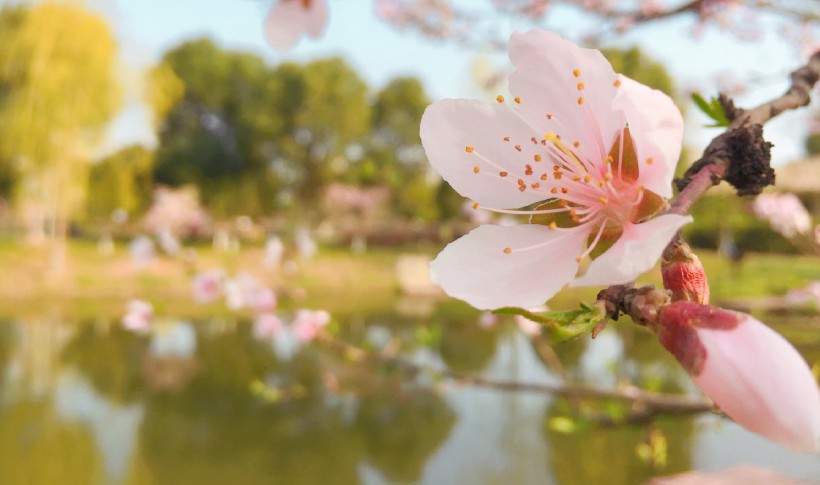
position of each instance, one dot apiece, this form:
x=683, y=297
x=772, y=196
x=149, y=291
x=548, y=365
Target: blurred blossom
x=274, y=250
x=142, y=251
x=307, y=324
x=288, y=20
x=784, y=212
x=808, y=295
x=267, y=326
x=176, y=210
x=207, y=285
x=177, y=339
x=138, y=316
x=245, y=291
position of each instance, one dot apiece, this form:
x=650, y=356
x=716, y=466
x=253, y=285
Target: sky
x=147, y=28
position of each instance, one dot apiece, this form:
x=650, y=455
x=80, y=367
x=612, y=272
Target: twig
x=644, y=403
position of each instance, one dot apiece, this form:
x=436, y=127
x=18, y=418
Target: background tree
x=58, y=91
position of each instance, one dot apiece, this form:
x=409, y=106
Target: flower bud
x=752, y=373
x=683, y=274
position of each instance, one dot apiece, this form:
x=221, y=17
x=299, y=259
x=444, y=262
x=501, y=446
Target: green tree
x=122, y=180
x=58, y=92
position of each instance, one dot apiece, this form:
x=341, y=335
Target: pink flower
x=138, y=317
x=262, y=299
x=207, y=285
x=562, y=150
x=756, y=377
x=287, y=20
x=786, y=214
x=308, y=323
x=267, y=326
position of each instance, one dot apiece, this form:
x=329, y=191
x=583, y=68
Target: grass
x=95, y=285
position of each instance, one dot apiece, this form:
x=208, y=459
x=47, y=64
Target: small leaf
x=702, y=104
x=563, y=325
x=713, y=109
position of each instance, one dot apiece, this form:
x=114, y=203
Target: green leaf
x=713, y=109
x=563, y=325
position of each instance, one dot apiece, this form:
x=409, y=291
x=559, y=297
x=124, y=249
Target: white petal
x=656, y=126
x=287, y=20
x=636, y=251
x=476, y=269
x=545, y=80
x=759, y=380
x=449, y=126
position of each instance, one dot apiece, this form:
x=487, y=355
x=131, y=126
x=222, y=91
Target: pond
x=208, y=401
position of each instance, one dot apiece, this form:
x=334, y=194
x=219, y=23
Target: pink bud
x=752, y=373
x=683, y=274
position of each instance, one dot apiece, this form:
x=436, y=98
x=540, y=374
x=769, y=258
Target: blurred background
x=163, y=152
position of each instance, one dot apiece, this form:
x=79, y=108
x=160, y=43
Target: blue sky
x=146, y=28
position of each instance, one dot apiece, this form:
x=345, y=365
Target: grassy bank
x=94, y=284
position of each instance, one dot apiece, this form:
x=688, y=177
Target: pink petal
x=267, y=326
x=656, y=126
x=476, y=268
x=545, y=79
x=449, y=126
x=760, y=381
x=287, y=20
x=638, y=249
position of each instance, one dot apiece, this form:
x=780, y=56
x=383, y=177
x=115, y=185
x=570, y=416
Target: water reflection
x=209, y=402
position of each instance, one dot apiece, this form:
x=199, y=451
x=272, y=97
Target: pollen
x=535, y=185
x=580, y=101
x=537, y=157
x=553, y=225
x=607, y=176
x=517, y=100
x=587, y=178
x=499, y=98
x=522, y=188
x=578, y=258
x=521, y=182
x=563, y=203
x=518, y=147
x=580, y=86
x=534, y=141
x=557, y=175
x=476, y=169
x=528, y=171
x=649, y=161
x=475, y=205
x=564, y=190
x=549, y=116
x=469, y=149
x=601, y=183
x=576, y=73
x=576, y=144
x=576, y=179
x=543, y=176
x=506, y=138
x=549, y=136
x=507, y=250
x=503, y=174
x=603, y=200
x=617, y=83
x=554, y=190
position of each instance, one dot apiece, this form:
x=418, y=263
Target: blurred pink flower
x=245, y=291
x=810, y=294
x=207, y=285
x=138, y=316
x=308, y=323
x=267, y=326
x=176, y=212
x=784, y=212
x=262, y=299
x=288, y=20
x=752, y=373
x=563, y=147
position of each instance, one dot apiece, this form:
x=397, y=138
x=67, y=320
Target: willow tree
x=57, y=92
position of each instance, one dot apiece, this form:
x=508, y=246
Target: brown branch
x=644, y=403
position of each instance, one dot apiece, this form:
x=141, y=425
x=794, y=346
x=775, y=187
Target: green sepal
x=563, y=325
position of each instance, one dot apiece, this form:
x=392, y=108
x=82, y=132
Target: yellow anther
x=517, y=100
x=506, y=138
x=576, y=179
x=476, y=169
x=537, y=157
x=475, y=205
x=554, y=190
x=553, y=225
x=503, y=174
x=469, y=149
x=564, y=190
x=616, y=83
x=580, y=101
x=603, y=200
x=576, y=144
x=649, y=161
x=507, y=250
x=587, y=178
x=499, y=98
x=576, y=73
x=535, y=185
x=543, y=176
x=578, y=258
x=607, y=176
x=518, y=147
x=580, y=86
x=549, y=116
x=550, y=136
